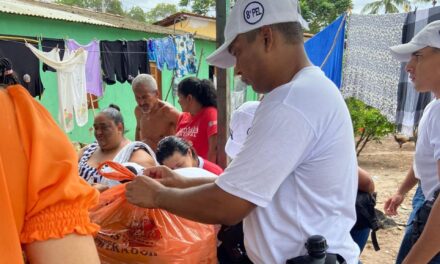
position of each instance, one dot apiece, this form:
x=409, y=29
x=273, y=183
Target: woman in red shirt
x=198, y=123
x=176, y=153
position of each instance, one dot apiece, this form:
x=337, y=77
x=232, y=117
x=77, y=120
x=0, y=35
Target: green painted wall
x=119, y=94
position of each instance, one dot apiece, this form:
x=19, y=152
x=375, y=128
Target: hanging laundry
x=370, y=73
x=326, y=49
x=151, y=49
x=25, y=65
x=47, y=44
x=93, y=65
x=137, y=59
x=113, y=61
x=123, y=59
x=411, y=103
x=165, y=51
x=186, y=55
x=71, y=75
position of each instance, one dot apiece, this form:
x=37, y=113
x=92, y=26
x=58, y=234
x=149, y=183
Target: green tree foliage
x=200, y=7
x=109, y=6
x=113, y=7
x=160, y=12
x=368, y=123
x=78, y=3
x=320, y=13
x=387, y=6
x=137, y=13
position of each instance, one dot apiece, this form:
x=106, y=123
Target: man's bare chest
x=156, y=121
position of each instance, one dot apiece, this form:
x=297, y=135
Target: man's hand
x=143, y=192
x=393, y=203
x=166, y=176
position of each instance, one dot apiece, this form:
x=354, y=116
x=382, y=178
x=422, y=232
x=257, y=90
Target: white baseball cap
x=429, y=36
x=247, y=15
x=241, y=123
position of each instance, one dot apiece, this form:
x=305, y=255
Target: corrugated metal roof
x=174, y=18
x=81, y=15
x=29, y=9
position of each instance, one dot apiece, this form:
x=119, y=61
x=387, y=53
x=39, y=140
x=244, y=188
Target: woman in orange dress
x=43, y=203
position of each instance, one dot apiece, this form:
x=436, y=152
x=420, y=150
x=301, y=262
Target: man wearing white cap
x=296, y=174
x=240, y=127
x=423, y=56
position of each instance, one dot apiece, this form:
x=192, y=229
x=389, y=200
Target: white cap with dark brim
x=239, y=127
x=248, y=15
x=221, y=57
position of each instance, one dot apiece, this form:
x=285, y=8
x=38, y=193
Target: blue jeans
x=406, y=244
x=360, y=236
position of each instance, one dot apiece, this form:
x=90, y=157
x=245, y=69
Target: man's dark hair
x=291, y=31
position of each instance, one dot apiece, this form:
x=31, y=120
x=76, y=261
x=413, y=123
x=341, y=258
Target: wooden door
x=158, y=76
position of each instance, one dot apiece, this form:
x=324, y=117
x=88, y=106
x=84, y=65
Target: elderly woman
x=176, y=153
x=198, y=123
x=111, y=144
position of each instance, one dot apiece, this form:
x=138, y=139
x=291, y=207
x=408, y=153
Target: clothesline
x=131, y=52
x=116, y=52
x=107, y=62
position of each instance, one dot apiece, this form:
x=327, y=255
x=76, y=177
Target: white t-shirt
x=298, y=165
x=428, y=149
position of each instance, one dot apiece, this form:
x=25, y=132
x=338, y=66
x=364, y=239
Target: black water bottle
x=316, y=252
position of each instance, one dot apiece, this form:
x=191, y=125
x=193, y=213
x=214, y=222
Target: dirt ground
x=388, y=164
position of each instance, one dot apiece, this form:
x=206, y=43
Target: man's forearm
x=409, y=182
x=197, y=181
x=428, y=244
x=206, y=204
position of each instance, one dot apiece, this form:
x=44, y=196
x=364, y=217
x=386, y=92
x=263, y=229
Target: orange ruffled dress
x=41, y=194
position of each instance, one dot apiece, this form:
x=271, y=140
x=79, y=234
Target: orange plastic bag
x=130, y=234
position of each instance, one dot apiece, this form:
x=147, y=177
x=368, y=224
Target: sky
x=149, y=4
x=359, y=4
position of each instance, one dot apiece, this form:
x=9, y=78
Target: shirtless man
x=155, y=119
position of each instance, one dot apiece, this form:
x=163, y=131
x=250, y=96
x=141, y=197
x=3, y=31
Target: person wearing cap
x=422, y=55
x=231, y=248
x=239, y=127
x=296, y=174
